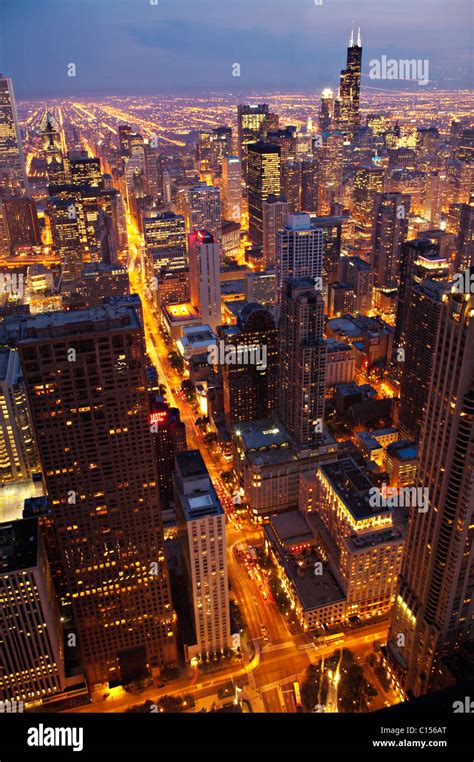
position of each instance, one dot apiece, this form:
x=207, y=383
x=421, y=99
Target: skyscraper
x=31, y=633
x=390, y=230
x=165, y=239
x=302, y=361
x=299, y=250
x=52, y=148
x=201, y=530
x=263, y=180
x=204, y=272
x=275, y=216
x=252, y=119
x=86, y=384
x=250, y=388
x=12, y=162
x=18, y=453
x=368, y=183
x=21, y=222
x=349, y=88
x=231, y=188
x=434, y=606
x=203, y=209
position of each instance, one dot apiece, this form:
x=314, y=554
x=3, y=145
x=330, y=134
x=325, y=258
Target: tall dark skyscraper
x=263, y=181
x=250, y=389
x=302, y=361
x=434, y=606
x=86, y=385
x=390, y=230
x=349, y=89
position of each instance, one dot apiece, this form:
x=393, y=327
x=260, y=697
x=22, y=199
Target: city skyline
x=237, y=365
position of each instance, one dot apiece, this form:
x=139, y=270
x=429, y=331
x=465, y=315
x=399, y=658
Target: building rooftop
x=261, y=435
x=64, y=323
x=18, y=545
x=191, y=464
x=291, y=528
x=403, y=450
x=352, y=486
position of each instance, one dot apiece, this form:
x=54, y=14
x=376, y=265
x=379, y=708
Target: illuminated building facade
x=275, y=211
x=31, y=634
x=165, y=240
x=390, y=231
x=299, y=250
x=87, y=391
x=302, y=362
x=12, y=162
x=204, y=276
x=263, y=180
x=368, y=183
x=231, y=188
x=18, y=453
x=433, y=613
x=203, y=209
x=201, y=530
x=349, y=89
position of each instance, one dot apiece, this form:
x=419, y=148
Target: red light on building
x=158, y=417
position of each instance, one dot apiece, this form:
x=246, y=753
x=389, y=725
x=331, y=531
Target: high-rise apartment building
x=201, y=530
x=86, y=384
x=203, y=209
x=204, y=276
x=275, y=216
x=299, y=250
x=21, y=222
x=368, y=183
x=302, y=361
x=263, y=180
x=165, y=239
x=434, y=606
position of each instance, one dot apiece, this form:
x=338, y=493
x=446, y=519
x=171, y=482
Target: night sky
x=131, y=46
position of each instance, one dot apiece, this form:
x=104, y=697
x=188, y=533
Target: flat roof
x=291, y=527
x=313, y=590
x=106, y=317
x=352, y=486
x=262, y=434
x=181, y=311
x=18, y=545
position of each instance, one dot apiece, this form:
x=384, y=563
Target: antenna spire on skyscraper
x=359, y=43
x=351, y=38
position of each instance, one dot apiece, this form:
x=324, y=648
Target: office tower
x=169, y=435
x=100, y=281
x=465, y=244
x=359, y=276
x=231, y=188
x=299, y=250
x=433, y=611
x=201, y=531
x=12, y=161
x=18, y=454
x=328, y=156
x=53, y=150
x=368, y=184
x=424, y=302
x=291, y=183
x=203, y=209
x=349, y=89
x=31, y=633
x=332, y=233
x=419, y=259
x=86, y=172
x=275, y=211
x=87, y=391
x=326, y=109
x=263, y=180
x=124, y=132
x=251, y=123
x=67, y=240
x=21, y=222
x=204, y=276
x=250, y=383
x=390, y=231
x=302, y=361
x=220, y=146
x=340, y=299
x=203, y=151
x=308, y=190
x=165, y=239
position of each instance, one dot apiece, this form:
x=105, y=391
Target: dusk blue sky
x=131, y=46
